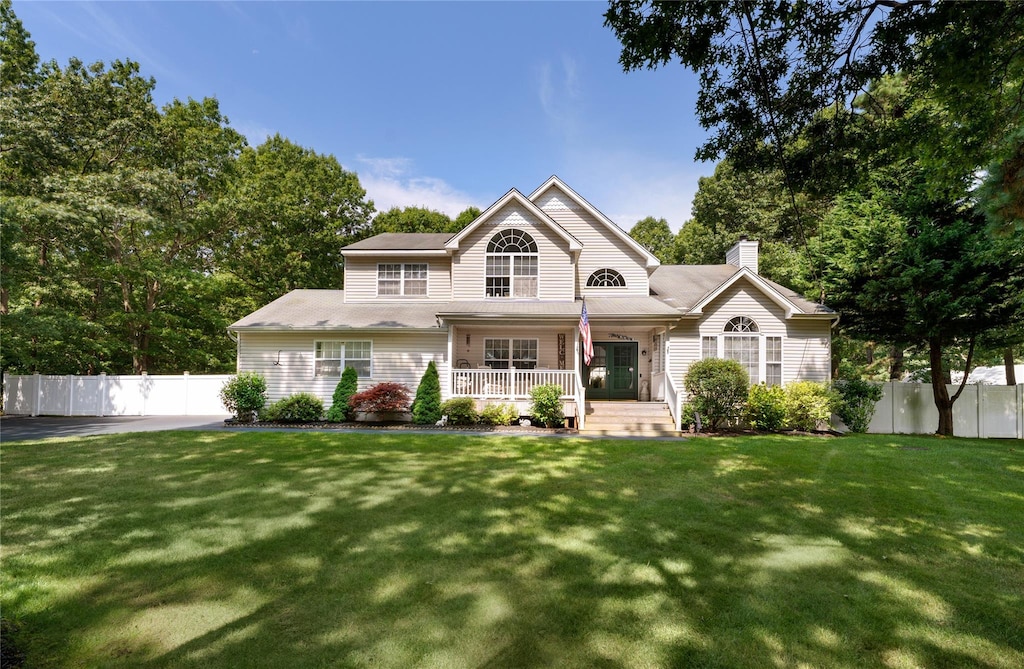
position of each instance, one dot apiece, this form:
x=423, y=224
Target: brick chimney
x=743, y=254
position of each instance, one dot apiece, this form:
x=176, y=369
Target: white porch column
x=446, y=392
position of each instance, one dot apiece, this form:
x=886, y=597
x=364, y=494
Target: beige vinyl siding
x=399, y=357
x=601, y=247
x=806, y=355
x=555, y=269
x=806, y=351
x=361, y=279
x=547, y=343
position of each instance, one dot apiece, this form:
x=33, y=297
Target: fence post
x=100, y=411
x=1020, y=410
x=37, y=400
x=185, y=408
x=144, y=392
x=70, y=408
x=982, y=432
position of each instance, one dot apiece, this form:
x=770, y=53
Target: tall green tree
x=655, y=236
x=412, y=219
x=906, y=269
x=294, y=210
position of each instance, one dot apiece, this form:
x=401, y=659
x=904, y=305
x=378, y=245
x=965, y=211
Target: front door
x=613, y=371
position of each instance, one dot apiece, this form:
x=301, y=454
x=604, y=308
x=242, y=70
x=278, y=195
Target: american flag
x=587, y=340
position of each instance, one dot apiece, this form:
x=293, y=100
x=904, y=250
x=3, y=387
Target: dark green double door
x=613, y=372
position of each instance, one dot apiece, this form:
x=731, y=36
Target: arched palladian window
x=606, y=278
x=511, y=265
x=741, y=340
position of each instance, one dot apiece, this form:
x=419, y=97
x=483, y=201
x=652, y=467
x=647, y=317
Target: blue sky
x=435, y=104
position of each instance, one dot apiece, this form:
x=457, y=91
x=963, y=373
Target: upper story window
x=402, y=279
x=606, y=278
x=741, y=324
x=511, y=265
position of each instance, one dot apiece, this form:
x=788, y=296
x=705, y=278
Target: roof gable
x=692, y=288
x=554, y=182
x=514, y=196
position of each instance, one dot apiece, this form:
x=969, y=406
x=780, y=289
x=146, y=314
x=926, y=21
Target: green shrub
x=297, y=408
x=856, y=405
x=499, y=414
x=386, y=397
x=688, y=417
x=766, y=407
x=460, y=411
x=808, y=404
x=244, y=394
x=718, y=390
x=426, y=408
x=348, y=386
x=547, y=405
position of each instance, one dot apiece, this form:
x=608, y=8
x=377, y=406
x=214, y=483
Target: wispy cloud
x=106, y=31
x=391, y=182
x=560, y=94
x=255, y=132
x=628, y=186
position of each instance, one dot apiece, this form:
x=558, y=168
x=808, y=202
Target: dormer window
x=606, y=278
x=511, y=265
x=402, y=279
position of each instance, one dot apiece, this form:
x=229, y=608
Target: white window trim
x=509, y=340
x=401, y=280
x=762, y=351
x=344, y=356
x=511, y=276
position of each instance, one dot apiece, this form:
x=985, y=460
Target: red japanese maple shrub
x=384, y=397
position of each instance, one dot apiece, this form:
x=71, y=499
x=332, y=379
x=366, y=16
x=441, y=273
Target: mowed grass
x=302, y=549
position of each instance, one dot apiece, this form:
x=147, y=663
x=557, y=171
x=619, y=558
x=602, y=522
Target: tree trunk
x=896, y=368
x=1011, y=372
x=940, y=392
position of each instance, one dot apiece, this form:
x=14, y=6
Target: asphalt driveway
x=19, y=428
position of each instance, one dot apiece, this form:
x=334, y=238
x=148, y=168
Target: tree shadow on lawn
x=397, y=551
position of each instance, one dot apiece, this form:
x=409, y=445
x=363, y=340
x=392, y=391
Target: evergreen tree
x=340, y=410
x=426, y=408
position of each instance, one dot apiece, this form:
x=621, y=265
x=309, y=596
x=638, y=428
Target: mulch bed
x=323, y=425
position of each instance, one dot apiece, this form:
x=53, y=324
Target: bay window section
x=773, y=361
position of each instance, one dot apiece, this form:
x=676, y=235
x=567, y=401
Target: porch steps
x=629, y=419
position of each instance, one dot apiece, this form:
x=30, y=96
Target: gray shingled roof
x=327, y=310
x=683, y=286
x=402, y=241
x=675, y=289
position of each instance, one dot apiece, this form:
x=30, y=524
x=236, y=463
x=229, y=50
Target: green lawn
x=249, y=549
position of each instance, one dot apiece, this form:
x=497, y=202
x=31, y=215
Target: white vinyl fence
x=103, y=395
x=980, y=411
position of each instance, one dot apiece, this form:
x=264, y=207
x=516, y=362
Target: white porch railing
x=513, y=384
x=581, y=401
x=674, y=400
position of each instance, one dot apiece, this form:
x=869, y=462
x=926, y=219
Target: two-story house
x=497, y=308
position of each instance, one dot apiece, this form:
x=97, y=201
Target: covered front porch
x=502, y=360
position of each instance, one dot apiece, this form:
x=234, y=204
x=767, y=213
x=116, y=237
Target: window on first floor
x=402, y=279
x=658, y=354
x=502, y=353
x=330, y=358
x=759, y=355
